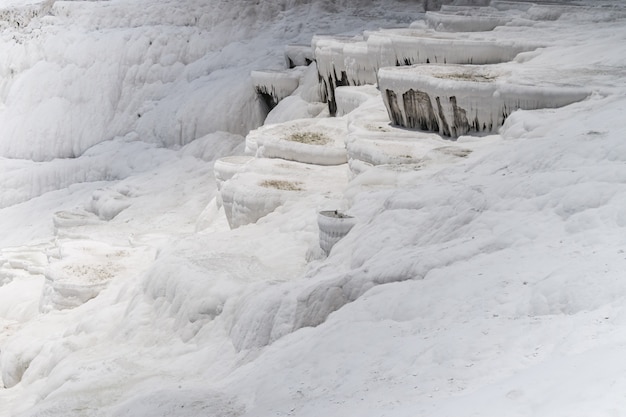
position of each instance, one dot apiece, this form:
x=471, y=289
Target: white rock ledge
x=341, y=61
x=311, y=141
x=468, y=20
x=226, y=168
x=273, y=86
x=399, y=47
x=350, y=98
x=298, y=55
x=458, y=99
x=269, y=183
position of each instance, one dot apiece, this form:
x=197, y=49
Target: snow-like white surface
x=489, y=284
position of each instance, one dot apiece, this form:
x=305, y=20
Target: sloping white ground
x=492, y=286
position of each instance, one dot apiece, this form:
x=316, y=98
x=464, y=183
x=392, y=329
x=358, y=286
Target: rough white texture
x=18, y=14
x=454, y=100
x=312, y=141
x=359, y=70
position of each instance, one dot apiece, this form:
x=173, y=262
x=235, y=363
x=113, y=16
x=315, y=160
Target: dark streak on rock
x=445, y=129
x=393, y=109
x=460, y=126
x=269, y=100
x=419, y=111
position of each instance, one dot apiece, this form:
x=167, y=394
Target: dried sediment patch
x=282, y=185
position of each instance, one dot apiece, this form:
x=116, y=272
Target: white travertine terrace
x=399, y=47
x=312, y=141
x=468, y=20
x=458, y=99
x=267, y=184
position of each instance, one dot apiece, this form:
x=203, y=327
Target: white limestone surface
x=395, y=47
x=225, y=168
x=269, y=183
x=84, y=268
x=358, y=67
x=349, y=98
x=312, y=141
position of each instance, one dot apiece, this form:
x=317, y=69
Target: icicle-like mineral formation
x=298, y=55
x=458, y=99
x=400, y=47
x=273, y=86
x=341, y=62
